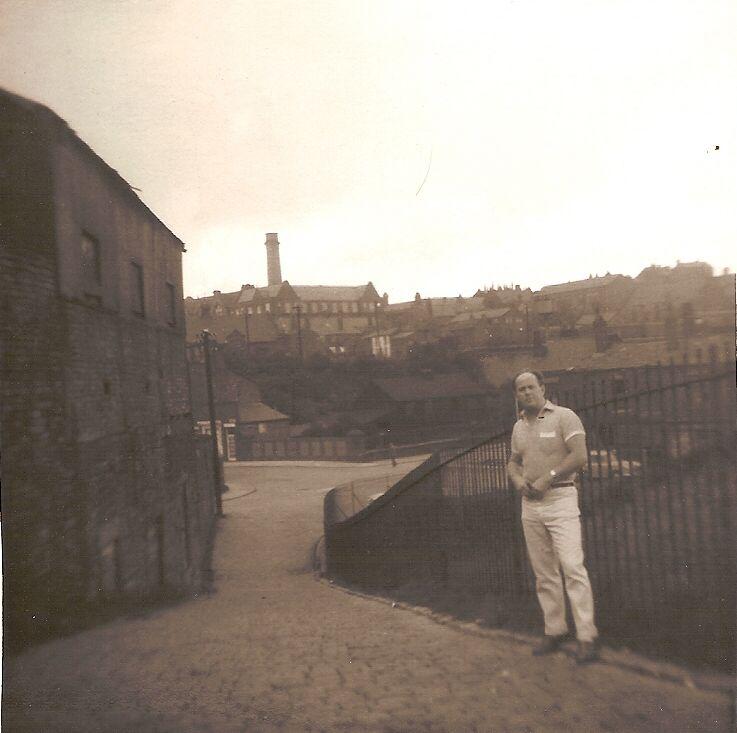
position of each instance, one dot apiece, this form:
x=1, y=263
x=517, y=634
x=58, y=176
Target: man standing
x=548, y=448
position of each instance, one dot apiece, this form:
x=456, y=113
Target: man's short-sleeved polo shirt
x=541, y=445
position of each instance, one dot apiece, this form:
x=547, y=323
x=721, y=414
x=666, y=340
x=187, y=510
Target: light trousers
x=552, y=528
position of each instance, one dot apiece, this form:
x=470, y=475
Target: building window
x=287, y=307
x=267, y=307
x=250, y=311
x=171, y=304
x=91, y=263
x=354, y=307
x=323, y=307
x=136, y=285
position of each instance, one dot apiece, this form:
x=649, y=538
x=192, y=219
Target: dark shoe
x=548, y=645
x=587, y=652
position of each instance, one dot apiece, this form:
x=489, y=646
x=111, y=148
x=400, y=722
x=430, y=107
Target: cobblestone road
x=272, y=649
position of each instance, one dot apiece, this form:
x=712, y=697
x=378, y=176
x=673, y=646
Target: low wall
x=306, y=448
x=131, y=524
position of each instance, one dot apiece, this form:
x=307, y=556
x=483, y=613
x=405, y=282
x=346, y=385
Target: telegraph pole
x=217, y=476
x=298, y=311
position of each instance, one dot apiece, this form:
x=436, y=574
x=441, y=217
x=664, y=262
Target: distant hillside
x=321, y=385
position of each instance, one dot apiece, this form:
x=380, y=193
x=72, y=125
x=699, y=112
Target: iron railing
x=658, y=501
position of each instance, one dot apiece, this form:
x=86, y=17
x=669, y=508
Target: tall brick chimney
x=273, y=267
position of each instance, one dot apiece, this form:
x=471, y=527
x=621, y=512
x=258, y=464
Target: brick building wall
x=107, y=493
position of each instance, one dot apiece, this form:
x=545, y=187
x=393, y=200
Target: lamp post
x=217, y=475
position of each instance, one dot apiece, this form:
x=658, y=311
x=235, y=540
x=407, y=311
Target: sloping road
x=272, y=649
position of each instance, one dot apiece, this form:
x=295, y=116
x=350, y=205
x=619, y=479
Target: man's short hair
x=538, y=375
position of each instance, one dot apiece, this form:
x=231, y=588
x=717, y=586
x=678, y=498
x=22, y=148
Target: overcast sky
x=426, y=146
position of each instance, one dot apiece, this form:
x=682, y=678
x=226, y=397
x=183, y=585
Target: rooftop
x=259, y=412
x=42, y=112
x=579, y=353
x=334, y=292
x=262, y=328
x=487, y=313
x=587, y=284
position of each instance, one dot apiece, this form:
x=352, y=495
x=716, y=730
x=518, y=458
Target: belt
x=562, y=484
